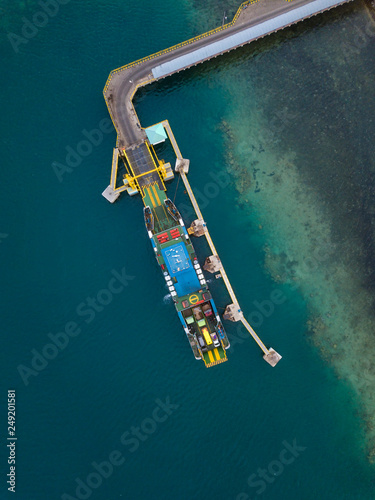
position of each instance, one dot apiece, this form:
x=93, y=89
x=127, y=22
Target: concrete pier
x=254, y=19
x=114, y=167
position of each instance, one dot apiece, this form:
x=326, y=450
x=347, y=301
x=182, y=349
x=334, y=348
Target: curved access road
x=255, y=19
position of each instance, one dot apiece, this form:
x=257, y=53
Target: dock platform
x=253, y=20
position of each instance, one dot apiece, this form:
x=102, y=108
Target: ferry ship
x=184, y=277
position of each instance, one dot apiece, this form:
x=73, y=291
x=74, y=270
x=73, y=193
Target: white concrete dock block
x=110, y=195
x=272, y=357
x=182, y=164
x=212, y=264
x=198, y=227
x=233, y=312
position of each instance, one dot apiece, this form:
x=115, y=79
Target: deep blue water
x=62, y=244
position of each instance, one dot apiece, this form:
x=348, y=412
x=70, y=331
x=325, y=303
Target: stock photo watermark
x=268, y=475
x=87, y=309
x=349, y=48
x=31, y=26
x=131, y=439
x=266, y=307
x=282, y=119
x=3, y=236
x=75, y=156
x=210, y=191
x=263, y=309
x=361, y=40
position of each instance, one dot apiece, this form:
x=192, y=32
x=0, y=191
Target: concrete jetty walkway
x=254, y=19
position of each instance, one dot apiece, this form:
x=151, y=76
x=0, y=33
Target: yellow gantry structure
x=131, y=179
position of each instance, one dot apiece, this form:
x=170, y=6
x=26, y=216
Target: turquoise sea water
x=291, y=120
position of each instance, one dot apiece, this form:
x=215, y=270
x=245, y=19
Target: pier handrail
x=181, y=44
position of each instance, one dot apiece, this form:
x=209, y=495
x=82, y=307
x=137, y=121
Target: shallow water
x=311, y=168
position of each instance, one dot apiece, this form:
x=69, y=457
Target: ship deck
x=176, y=256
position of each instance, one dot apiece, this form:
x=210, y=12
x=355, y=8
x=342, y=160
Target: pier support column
x=233, y=312
x=197, y=228
x=182, y=164
x=212, y=264
x=272, y=357
x=110, y=195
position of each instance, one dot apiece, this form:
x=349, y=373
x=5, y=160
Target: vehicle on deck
x=184, y=277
